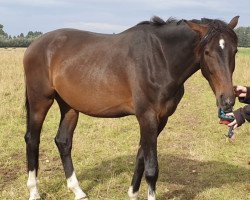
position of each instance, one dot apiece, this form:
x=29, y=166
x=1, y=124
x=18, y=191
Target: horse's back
x=54, y=41
x=88, y=70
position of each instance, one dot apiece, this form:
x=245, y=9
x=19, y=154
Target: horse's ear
x=233, y=23
x=199, y=28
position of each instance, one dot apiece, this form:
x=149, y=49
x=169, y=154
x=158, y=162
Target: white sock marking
x=222, y=43
x=151, y=196
x=73, y=185
x=132, y=196
x=32, y=185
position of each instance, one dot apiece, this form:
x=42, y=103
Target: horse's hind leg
x=63, y=141
x=37, y=107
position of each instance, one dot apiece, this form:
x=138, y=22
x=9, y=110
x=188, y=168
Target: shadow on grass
x=197, y=176
x=186, y=177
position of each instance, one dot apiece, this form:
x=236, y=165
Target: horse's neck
x=180, y=52
x=187, y=69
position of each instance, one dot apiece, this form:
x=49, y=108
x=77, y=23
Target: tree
x=32, y=34
x=2, y=33
x=17, y=41
x=243, y=34
x=21, y=35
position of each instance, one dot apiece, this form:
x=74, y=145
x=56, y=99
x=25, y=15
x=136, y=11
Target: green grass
x=244, y=51
x=195, y=159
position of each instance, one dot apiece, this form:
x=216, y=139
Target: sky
x=111, y=16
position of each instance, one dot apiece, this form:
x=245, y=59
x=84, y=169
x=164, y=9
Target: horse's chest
x=173, y=101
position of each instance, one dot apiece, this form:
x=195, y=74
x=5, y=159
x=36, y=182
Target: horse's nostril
x=228, y=102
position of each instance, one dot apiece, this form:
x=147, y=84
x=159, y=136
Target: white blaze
x=222, y=43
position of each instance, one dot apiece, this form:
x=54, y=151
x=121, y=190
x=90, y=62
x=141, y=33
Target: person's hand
x=240, y=91
x=233, y=123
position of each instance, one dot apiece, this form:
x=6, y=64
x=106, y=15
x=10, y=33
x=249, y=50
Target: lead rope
x=224, y=119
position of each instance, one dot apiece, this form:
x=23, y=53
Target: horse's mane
x=215, y=27
x=157, y=21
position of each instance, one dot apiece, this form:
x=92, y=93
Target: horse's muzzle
x=227, y=103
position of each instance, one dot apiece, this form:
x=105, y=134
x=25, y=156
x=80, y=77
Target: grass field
x=195, y=159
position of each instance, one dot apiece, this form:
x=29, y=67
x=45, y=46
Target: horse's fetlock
x=133, y=195
x=31, y=184
x=73, y=185
x=32, y=180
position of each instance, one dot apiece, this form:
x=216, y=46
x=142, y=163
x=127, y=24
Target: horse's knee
x=64, y=145
x=31, y=142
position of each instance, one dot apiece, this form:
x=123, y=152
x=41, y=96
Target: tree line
x=22, y=40
x=19, y=40
x=243, y=34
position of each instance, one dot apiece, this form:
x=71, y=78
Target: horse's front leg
x=149, y=132
x=133, y=191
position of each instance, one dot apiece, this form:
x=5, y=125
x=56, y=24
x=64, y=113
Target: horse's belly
x=97, y=100
x=104, y=106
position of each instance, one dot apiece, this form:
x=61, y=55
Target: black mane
x=157, y=21
x=215, y=27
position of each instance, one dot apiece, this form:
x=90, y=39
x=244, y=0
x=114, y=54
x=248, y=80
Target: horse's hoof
x=82, y=198
x=37, y=198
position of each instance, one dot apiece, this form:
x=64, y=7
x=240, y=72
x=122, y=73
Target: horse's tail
x=27, y=106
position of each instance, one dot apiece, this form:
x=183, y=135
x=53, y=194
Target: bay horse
x=140, y=72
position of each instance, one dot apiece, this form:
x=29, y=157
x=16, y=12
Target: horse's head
x=216, y=51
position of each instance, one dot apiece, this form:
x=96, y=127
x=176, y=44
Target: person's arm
x=241, y=115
